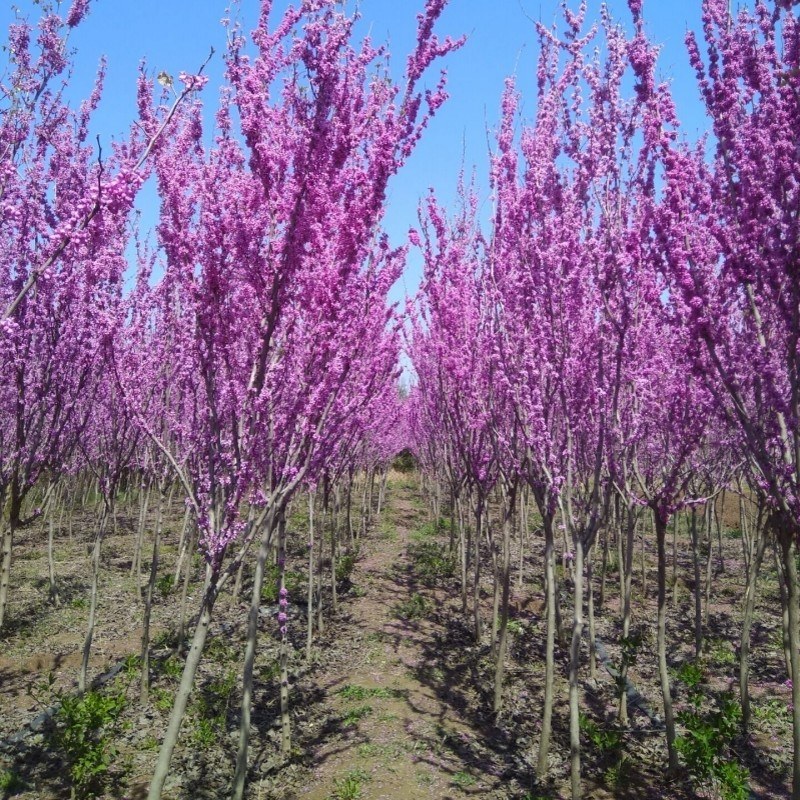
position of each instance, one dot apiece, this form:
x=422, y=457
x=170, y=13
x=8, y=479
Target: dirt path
x=396, y=736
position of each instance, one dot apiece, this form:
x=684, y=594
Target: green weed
x=361, y=693
x=345, y=566
x=629, y=647
x=608, y=744
x=210, y=709
x=172, y=667
x=387, y=531
x=771, y=712
x=721, y=652
x=616, y=776
x=348, y=786
x=268, y=672
x=83, y=728
x=463, y=780
x=690, y=674
x=131, y=665
x=405, y=463
x=271, y=585
x=711, y=724
x=604, y=740
x=10, y=782
x=430, y=530
x=354, y=715
x=166, y=640
x=204, y=734
x=165, y=584
x=218, y=650
x=432, y=561
x=415, y=607
x=383, y=751
x=298, y=519
x=161, y=698
x=149, y=743
x=424, y=778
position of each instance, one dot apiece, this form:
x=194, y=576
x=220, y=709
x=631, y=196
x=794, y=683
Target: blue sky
x=175, y=35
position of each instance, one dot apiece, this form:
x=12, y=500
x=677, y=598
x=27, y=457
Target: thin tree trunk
x=348, y=513
x=320, y=575
x=592, y=631
x=574, y=665
x=669, y=721
x=788, y=555
x=237, y=584
x=523, y=532
x=148, y=606
x=464, y=551
x=87, y=642
x=185, y=688
x=452, y=542
x=496, y=590
x=561, y=628
x=63, y=506
x=51, y=504
x=382, y=492
x=644, y=562
x=136, y=563
x=335, y=549
x=283, y=655
x=182, y=547
x=698, y=603
x=310, y=600
x=5, y=573
x=718, y=516
x=505, y=579
x=601, y=599
x=476, y=588
x=780, y=568
x=187, y=572
x=675, y=561
x=751, y=593
x=709, y=562
x=626, y=585
x=71, y=518
x=370, y=498
x=364, y=509
x=549, y=662
x=51, y=567
x=265, y=545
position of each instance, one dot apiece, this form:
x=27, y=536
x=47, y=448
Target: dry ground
x=396, y=701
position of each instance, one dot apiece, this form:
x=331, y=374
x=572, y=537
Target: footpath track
x=394, y=735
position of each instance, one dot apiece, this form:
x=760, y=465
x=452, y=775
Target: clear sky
x=175, y=35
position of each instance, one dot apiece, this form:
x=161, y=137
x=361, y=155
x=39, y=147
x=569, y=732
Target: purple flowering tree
x=731, y=239
x=66, y=208
x=269, y=321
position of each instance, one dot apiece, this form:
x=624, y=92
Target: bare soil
x=396, y=702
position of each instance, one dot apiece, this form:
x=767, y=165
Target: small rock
x=271, y=764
